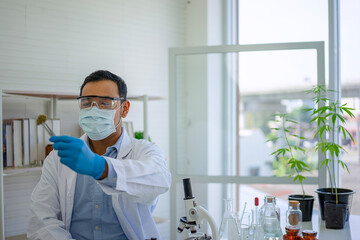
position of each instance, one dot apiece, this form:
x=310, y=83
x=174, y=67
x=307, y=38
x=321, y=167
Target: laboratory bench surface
x=351, y=230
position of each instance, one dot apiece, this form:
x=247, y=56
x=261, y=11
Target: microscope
x=194, y=215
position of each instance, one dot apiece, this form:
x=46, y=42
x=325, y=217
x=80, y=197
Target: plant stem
x=333, y=161
x=292, y=156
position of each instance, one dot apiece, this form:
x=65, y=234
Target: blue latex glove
x=75, y=154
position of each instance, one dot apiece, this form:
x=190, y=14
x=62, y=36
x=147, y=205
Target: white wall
x=52, y=46
x=17, y=190
x=199, y=123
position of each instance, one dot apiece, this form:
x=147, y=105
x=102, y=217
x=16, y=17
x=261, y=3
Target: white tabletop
x=351, y=230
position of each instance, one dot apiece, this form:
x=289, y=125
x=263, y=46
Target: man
x=104, y=185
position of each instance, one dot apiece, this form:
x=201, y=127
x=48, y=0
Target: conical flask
x=228, y=228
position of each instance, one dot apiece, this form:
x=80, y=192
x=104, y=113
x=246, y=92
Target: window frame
x=319, y=47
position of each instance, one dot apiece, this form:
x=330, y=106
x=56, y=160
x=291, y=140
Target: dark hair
x=106, y=75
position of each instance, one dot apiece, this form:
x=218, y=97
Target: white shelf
x=53, y=97
x=17, y=171
x=67, y=96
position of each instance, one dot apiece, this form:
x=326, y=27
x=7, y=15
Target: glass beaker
x=257, y=231
x=244, y=224
x=228, y=228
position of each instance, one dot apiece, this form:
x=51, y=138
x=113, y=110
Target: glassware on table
x=309, y=235
x=277, y=209
x=294, y=215
x=292, y=233
x=228, y=228
x=244, y=225
x=257, y=231
x=269, y=219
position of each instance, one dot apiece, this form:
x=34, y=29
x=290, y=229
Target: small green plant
x=290, y=151
x=330, y=119
x=140, y=135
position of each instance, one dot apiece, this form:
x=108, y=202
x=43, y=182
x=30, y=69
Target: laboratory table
x=351, y=230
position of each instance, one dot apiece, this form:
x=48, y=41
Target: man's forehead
x=101, y=88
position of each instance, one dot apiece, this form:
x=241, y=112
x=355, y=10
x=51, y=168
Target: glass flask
x=293, y=214
x=309, y=235
x=228, y=228
x=269, y=220
x=291, y=233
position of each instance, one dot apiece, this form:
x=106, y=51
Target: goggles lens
x=101, y=102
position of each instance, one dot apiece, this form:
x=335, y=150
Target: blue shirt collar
x=116, y=147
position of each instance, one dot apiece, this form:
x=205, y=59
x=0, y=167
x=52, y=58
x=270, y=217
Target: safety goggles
x=102, y=102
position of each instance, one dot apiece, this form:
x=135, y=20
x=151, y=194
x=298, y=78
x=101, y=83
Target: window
x=202, y=100
x=350, y=92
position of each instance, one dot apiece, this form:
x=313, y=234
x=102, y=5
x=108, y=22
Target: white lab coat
x=141, y=177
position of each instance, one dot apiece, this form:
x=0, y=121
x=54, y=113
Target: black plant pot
x=344, y=196
x=335, y=214
x=306, y=205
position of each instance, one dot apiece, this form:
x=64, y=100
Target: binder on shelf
x=8, y=145
x=33, y=141
x=20, y=138
x=26, y=142
x=4, y=145
x=40, y=142
x=17, y=143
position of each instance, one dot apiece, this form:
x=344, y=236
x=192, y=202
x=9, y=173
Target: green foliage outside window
x=140, y=135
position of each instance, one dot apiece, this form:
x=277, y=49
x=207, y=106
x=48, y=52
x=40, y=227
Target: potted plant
x=140, y=135
x=330, y=119
x=292, y=152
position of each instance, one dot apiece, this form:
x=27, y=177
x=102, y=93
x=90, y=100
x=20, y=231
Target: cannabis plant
x=330, y=119
x=290, y=150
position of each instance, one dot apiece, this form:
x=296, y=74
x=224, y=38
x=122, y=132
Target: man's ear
x=125, y=108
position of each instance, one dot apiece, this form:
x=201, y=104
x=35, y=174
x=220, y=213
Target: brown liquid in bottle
x=291, y=233
x=309, y=235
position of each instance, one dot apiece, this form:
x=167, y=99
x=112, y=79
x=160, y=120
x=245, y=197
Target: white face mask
x=98, y=123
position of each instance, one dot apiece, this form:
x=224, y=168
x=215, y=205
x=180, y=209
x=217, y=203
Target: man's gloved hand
x=75, y=154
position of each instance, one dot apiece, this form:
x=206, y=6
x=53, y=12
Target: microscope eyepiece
x=187, y=189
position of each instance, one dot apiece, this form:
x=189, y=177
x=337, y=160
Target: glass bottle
x=291, y=233
x=269, y=219
x=228, y=228
x=309, y=235
x=256, y=228
x=293, y=214
x=277, y=209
